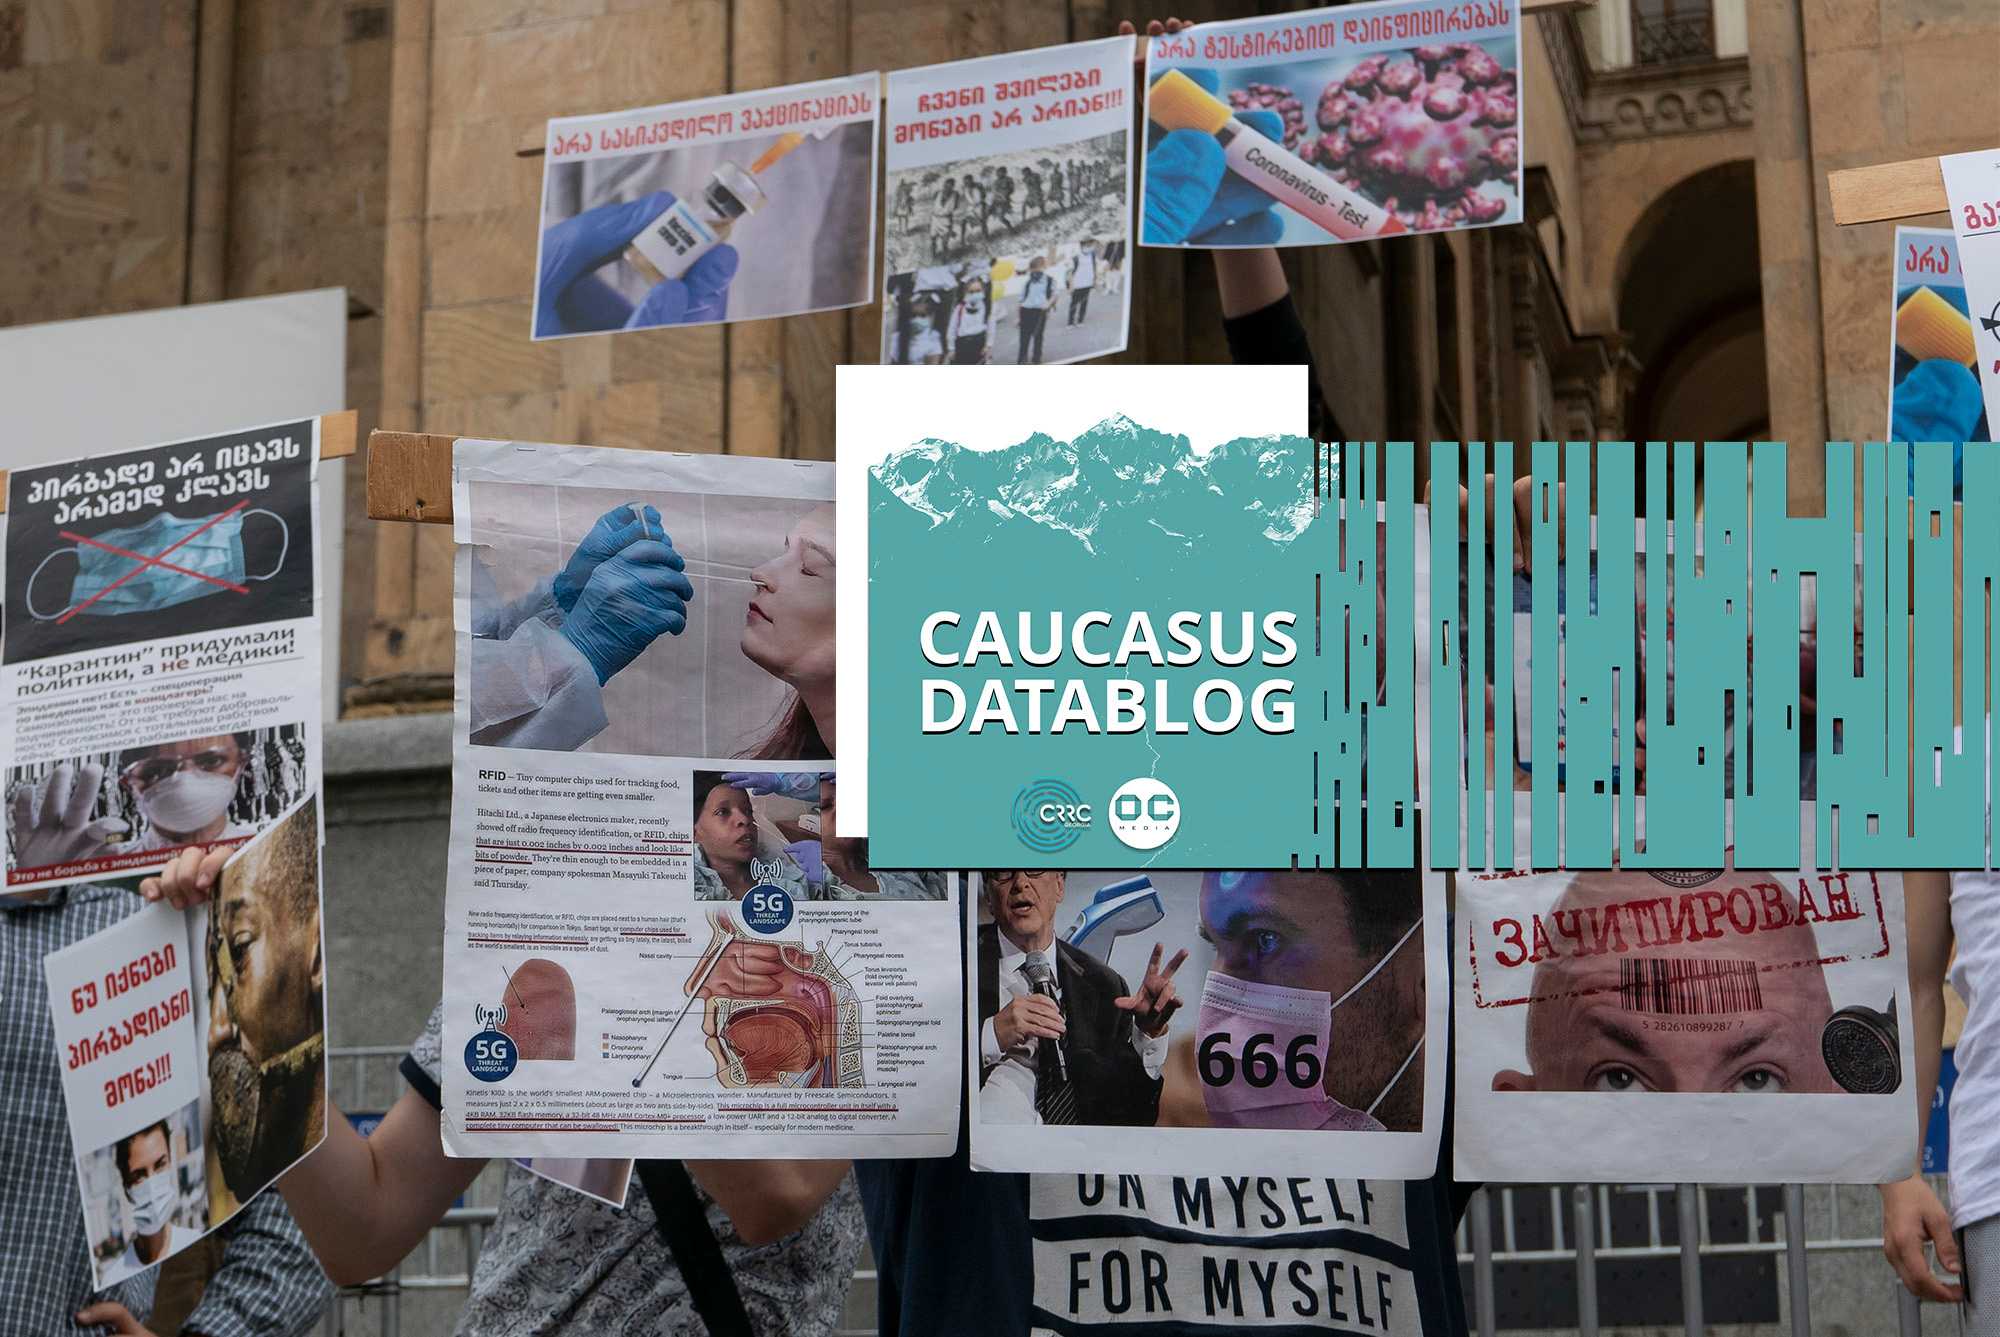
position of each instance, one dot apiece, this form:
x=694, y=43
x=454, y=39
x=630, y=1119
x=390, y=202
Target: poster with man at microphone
x=1120, y=1021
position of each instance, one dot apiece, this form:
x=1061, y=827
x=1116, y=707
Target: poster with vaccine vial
x=739, y=207
x=160, y=660
x=655, y=942
x=1119, y=1021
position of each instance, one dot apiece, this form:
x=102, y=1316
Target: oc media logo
x=1145, y=813
x=1049, y=815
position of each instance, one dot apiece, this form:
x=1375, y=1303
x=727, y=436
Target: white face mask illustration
x=187, y=800
x=152, y=1201
x=1243, y=1008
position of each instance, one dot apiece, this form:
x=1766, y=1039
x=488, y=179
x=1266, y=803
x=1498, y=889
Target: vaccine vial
x=667, y=247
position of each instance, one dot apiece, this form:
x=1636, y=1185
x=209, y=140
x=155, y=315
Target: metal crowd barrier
x=1579, y=1222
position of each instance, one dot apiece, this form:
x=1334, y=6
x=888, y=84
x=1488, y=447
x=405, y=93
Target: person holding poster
x=557, y=1260
x=148, y=1196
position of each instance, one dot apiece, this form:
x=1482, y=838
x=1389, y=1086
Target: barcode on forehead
x=1682, y=987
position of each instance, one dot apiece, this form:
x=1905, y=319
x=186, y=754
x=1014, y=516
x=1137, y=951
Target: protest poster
x=1933, y=354
x=738, y=207
x=655, y=942
x=1972, y=184
x=1118, y=1021
x=1579, y=990
x=1282, y=1253
x=1009, y=198
x=1333, y=125
x=193, y=1051
x=161, y=654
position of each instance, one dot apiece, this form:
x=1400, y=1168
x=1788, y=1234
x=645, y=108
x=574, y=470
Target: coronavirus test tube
x=1179, y=103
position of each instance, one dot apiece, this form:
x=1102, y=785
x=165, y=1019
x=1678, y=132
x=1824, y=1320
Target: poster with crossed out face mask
x=160, y=661
x=1660, y=1025
x=1225, y=1014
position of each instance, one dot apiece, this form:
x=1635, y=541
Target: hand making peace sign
x=1154, y=1003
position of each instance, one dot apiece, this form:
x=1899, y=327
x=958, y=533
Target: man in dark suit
x=1062, y=1039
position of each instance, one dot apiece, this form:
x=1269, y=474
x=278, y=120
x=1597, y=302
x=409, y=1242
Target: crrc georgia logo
x=1049, y=815
x=1145, y=813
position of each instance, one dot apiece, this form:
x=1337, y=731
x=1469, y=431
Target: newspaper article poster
x=1009, y=207
x=738, y=207
x=1580, y=991
x=160, y=663
x=656, y=943
x=1226, y=1014
x=1333, y=125
x=193, y=1046
x=1289, y=1252
x=1933, y=355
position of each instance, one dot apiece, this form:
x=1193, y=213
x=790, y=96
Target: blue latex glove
x=1191, y=195
x=614, y=529
x=806, y=854
x=571, y=299
x=801, y=785
x=630, y=600
x=1938, y=401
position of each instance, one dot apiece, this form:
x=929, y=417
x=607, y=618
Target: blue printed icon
x=767, y=909
x=491, y=1055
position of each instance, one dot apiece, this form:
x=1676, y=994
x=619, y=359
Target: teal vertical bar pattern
x=1448, y=674
x=1544, y=698
x=1392, y=724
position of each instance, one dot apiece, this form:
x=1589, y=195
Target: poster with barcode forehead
x=1712, y=1025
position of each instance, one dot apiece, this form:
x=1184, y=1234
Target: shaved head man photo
x=1731, y=1012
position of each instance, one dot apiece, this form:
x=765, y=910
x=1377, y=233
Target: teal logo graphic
x=1145, y=813
x=1049, y=815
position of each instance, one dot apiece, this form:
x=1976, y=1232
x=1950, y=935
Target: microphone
x=1042, y=980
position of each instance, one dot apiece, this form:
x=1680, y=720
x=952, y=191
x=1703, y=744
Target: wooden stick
x=409, y=477
x=1886, y=190
x=337, y=433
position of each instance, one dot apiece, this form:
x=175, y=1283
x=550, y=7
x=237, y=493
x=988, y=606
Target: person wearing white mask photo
x=183, y=792
x=146, y=1168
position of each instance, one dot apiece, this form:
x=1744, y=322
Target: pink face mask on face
x=1241, y=1009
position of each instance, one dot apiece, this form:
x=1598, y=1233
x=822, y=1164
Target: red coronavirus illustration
x=1420, y=133
x=1271, y=97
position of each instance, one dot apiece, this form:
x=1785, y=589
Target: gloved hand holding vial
x=731, y=208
